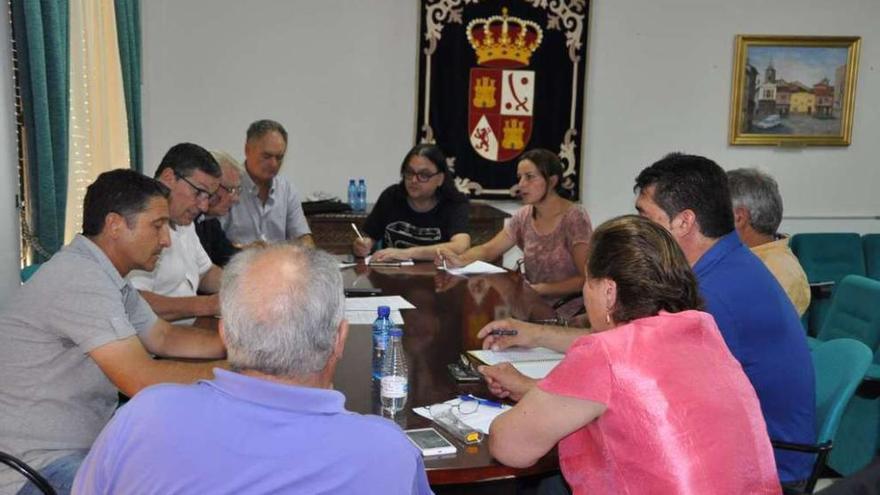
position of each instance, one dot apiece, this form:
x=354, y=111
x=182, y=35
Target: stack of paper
x=475, y=268
x=362, y=310
x=534, y=363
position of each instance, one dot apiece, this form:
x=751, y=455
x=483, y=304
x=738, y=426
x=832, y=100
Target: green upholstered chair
x=871, y=248
x=827, y=258
x=840, y=365
x=855, y=313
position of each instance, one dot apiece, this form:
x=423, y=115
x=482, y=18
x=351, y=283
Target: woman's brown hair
x=645, y=262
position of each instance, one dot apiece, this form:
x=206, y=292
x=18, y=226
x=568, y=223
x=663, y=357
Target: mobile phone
x=430, y=442
x=462, y=373
x=362, y=291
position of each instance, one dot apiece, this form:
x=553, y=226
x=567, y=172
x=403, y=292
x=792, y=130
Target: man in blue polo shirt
x=689, y=196
x=274, y=424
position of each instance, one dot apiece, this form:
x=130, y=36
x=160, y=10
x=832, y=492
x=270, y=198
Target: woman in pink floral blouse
x=552, y=232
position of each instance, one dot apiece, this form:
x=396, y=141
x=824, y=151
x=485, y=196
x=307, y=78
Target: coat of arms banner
x=497, y=78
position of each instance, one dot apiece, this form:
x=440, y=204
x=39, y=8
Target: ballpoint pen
x=481, y=401
x=356, y=231
x=500, y=332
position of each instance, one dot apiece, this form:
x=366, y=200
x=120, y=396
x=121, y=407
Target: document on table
x=371, y=303
x=534, y=363
x=368, y=261
x=476, y=268
x=368, y=317
x=479, y=420
x=517, y=354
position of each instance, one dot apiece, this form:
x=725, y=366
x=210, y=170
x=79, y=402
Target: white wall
x=341, y=76
x=9, y=248
x=659, y=81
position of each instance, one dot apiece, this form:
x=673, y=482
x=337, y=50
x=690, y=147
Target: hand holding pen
x=362, y=245
x=509, y=332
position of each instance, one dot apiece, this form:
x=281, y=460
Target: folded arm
x=128, y=365
x=457, y=244
x=175, y=308
x=491, y=250
x=180, y=341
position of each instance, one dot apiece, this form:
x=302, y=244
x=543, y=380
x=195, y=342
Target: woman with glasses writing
x=420, y=214
x=651, y=400
x=552, y=232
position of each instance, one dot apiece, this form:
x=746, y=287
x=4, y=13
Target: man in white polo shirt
x=184, y=269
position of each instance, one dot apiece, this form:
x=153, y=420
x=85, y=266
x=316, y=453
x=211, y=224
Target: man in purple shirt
x=274, y=424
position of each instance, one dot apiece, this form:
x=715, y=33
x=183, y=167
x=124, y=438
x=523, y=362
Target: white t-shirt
x=179, y=269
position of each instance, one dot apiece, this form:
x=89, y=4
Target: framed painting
x=793, y=90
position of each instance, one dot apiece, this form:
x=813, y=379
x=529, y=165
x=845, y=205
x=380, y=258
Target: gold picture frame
x=793, y=90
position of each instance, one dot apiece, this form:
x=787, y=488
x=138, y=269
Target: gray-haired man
x=757, y=208
x=274, y=424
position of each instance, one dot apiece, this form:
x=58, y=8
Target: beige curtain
x=98, y=129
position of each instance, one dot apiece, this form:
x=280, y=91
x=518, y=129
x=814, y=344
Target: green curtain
x=40, y=29
x=128, y=32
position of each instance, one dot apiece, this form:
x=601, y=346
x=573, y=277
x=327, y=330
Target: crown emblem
x=502, y=41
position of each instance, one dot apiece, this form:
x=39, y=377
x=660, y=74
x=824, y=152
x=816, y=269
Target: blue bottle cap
x=384, y=311
x=395, y=332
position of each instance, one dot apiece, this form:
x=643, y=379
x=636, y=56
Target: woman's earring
x=608, y=317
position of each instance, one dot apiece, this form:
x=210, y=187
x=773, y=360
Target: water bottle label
x=381, y=342
x=394, y=387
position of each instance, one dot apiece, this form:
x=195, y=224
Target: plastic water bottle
x=362, y=195
x=395, y=381
x=380, y=337
x=352, y=194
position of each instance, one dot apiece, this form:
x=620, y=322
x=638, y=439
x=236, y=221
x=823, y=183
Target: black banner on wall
x=497, y=78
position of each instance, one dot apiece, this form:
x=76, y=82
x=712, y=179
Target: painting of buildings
x=793, y=91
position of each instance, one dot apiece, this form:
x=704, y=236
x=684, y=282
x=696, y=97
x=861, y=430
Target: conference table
x=450, y=310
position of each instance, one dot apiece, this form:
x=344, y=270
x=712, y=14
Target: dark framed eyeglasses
x=232, y=190
x=421, y=176
x=200, y=193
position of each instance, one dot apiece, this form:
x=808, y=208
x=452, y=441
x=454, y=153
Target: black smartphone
x=462, y=373
x=362, y=291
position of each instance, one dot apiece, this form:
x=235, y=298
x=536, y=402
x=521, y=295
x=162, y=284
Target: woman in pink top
x=553, y=233
x=651, y=401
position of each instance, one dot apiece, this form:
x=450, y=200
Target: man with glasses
x=270, y=209
x=211, y=235
x=184, y=269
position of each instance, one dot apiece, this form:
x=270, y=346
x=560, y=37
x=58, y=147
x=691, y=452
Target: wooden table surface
x=449, y=313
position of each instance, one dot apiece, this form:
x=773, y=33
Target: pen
x=481, y=401
x=444, y=264
x=500, y=332
x=356, y=231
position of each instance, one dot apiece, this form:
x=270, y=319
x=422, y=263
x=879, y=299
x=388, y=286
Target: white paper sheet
x=535, y=369
x=517, y=354
x=368, y=317
x=371, y=303
x=476, y=268
x=479, y=420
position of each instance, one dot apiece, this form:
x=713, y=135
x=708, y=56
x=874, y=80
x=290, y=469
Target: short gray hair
x=758, y=193
x=224, y=159
x=281, y=308
x=260, y=128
